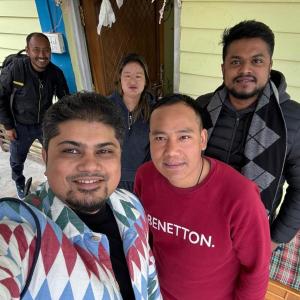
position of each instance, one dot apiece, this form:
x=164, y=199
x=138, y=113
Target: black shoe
x=20, y=192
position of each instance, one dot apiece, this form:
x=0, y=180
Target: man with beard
x=27, y=87
x=94, y=236
x=254, y=126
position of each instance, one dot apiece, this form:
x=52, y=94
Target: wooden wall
x=202, y=24
x=18, y=18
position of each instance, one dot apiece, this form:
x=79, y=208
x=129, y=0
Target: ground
x=32, y=169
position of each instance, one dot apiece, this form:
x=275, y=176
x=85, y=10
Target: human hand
x=11, y=134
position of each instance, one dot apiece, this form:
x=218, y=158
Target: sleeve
x=202, y=102
x=287, y=223
x=6, y=79
x=62, y=88
x=252, y=244
x=153, y=285
x=17, y=244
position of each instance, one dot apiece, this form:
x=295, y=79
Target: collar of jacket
x=125, y=207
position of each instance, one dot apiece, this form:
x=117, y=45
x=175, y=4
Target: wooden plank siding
x=202, y=24
x=17, y=19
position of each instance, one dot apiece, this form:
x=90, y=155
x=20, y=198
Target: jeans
x=19, y=148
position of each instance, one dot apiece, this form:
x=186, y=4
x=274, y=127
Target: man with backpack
x=27, y=86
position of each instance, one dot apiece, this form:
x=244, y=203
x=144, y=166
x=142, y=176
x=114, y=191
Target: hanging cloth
x=106, y=15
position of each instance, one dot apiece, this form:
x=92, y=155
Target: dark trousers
x=19, y=148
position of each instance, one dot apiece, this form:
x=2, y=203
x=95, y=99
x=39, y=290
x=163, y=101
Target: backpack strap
x=18, y=70
x=18, y=81
x=38, y=239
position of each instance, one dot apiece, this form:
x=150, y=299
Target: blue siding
x=51, y=20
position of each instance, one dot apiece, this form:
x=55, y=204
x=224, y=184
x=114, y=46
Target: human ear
x=222, y=68
x=203, y=139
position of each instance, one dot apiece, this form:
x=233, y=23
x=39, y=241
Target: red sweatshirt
x=210, y=241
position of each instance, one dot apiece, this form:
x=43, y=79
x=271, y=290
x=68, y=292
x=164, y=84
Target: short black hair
x=84, y=106
x=32, y=34
x=179, y=98
x=245, y=30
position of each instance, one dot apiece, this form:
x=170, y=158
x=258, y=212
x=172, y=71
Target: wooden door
x=136, y=30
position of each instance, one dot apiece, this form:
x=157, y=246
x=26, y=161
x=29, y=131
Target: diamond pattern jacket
x=74, y=262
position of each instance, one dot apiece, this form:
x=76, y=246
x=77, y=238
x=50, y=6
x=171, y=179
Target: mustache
x=243, y=76
x=81, y=175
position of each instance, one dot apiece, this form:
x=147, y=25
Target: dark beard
x=245, y=96
x=85, y=205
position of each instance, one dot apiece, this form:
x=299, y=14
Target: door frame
x=95, y=49
x=77, y=45
x=79, y=53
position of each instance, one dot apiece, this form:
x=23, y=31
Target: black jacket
x=33, y=99
x=135, y=148
x=287, y=222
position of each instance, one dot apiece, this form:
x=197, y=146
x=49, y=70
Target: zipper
x=237, y=121
x=40, y=99
x=129, y=120
x=272, y=212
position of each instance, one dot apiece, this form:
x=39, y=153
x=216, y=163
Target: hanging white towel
x=106, y=15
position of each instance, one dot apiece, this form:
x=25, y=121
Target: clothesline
x=107, y=15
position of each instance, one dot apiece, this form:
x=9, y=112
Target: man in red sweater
x=210, y=231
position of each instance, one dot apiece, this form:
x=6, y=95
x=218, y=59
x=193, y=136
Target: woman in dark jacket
x=135, y=103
